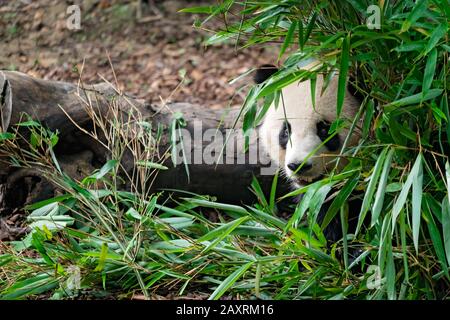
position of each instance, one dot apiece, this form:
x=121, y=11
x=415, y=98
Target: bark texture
x=58, y=105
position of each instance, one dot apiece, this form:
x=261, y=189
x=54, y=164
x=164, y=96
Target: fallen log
x=61, y=106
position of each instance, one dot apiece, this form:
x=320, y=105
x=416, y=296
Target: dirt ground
x=160, y=56
x=150, y=56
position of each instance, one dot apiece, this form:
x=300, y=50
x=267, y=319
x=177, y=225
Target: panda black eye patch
x=264, y=72
x=323, y=127
x=284, y=134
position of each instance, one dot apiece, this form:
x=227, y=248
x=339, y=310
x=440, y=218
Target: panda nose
x=293, y=166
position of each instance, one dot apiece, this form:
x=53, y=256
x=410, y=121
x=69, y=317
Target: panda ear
x=264, y=72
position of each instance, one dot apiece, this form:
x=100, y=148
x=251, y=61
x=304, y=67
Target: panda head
x=295, y=129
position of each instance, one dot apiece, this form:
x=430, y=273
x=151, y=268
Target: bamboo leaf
x=288, y=39
x=416, y=205
x=418, y=11
x=221, y=233
x=435, y=238
x=107, y=167
x=102, y=257
x=273, y=192
x=447, y=175
x=401, y=200
x=342, y=82
x=446, y=227
x=371, y=189
x=302, y=206
x=309, y=28
x=339, y=201
x=437, y=34
x=429, y=70
x=229, y=281
x=152, y=165
x=415, y=99
x=390, y=274
x=203, y=9
x=379, y=197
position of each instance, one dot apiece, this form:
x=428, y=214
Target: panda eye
x=323, y=128
x=286, y=131
x=284, y=134
x=333, y=144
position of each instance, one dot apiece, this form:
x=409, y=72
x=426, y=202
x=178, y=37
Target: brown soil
x=150, y=58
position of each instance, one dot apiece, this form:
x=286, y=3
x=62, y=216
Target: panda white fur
x=293, y=130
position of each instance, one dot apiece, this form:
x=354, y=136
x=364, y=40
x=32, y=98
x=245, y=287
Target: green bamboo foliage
x=107, y=240
x=402, y=70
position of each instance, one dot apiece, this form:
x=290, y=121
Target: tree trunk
x=57, y=105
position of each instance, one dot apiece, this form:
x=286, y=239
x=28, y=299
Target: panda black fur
x=293, y=130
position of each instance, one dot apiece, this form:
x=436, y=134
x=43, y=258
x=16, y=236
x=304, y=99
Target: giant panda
x=295, y=128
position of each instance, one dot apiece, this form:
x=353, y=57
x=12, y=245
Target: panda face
x=295, y=131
